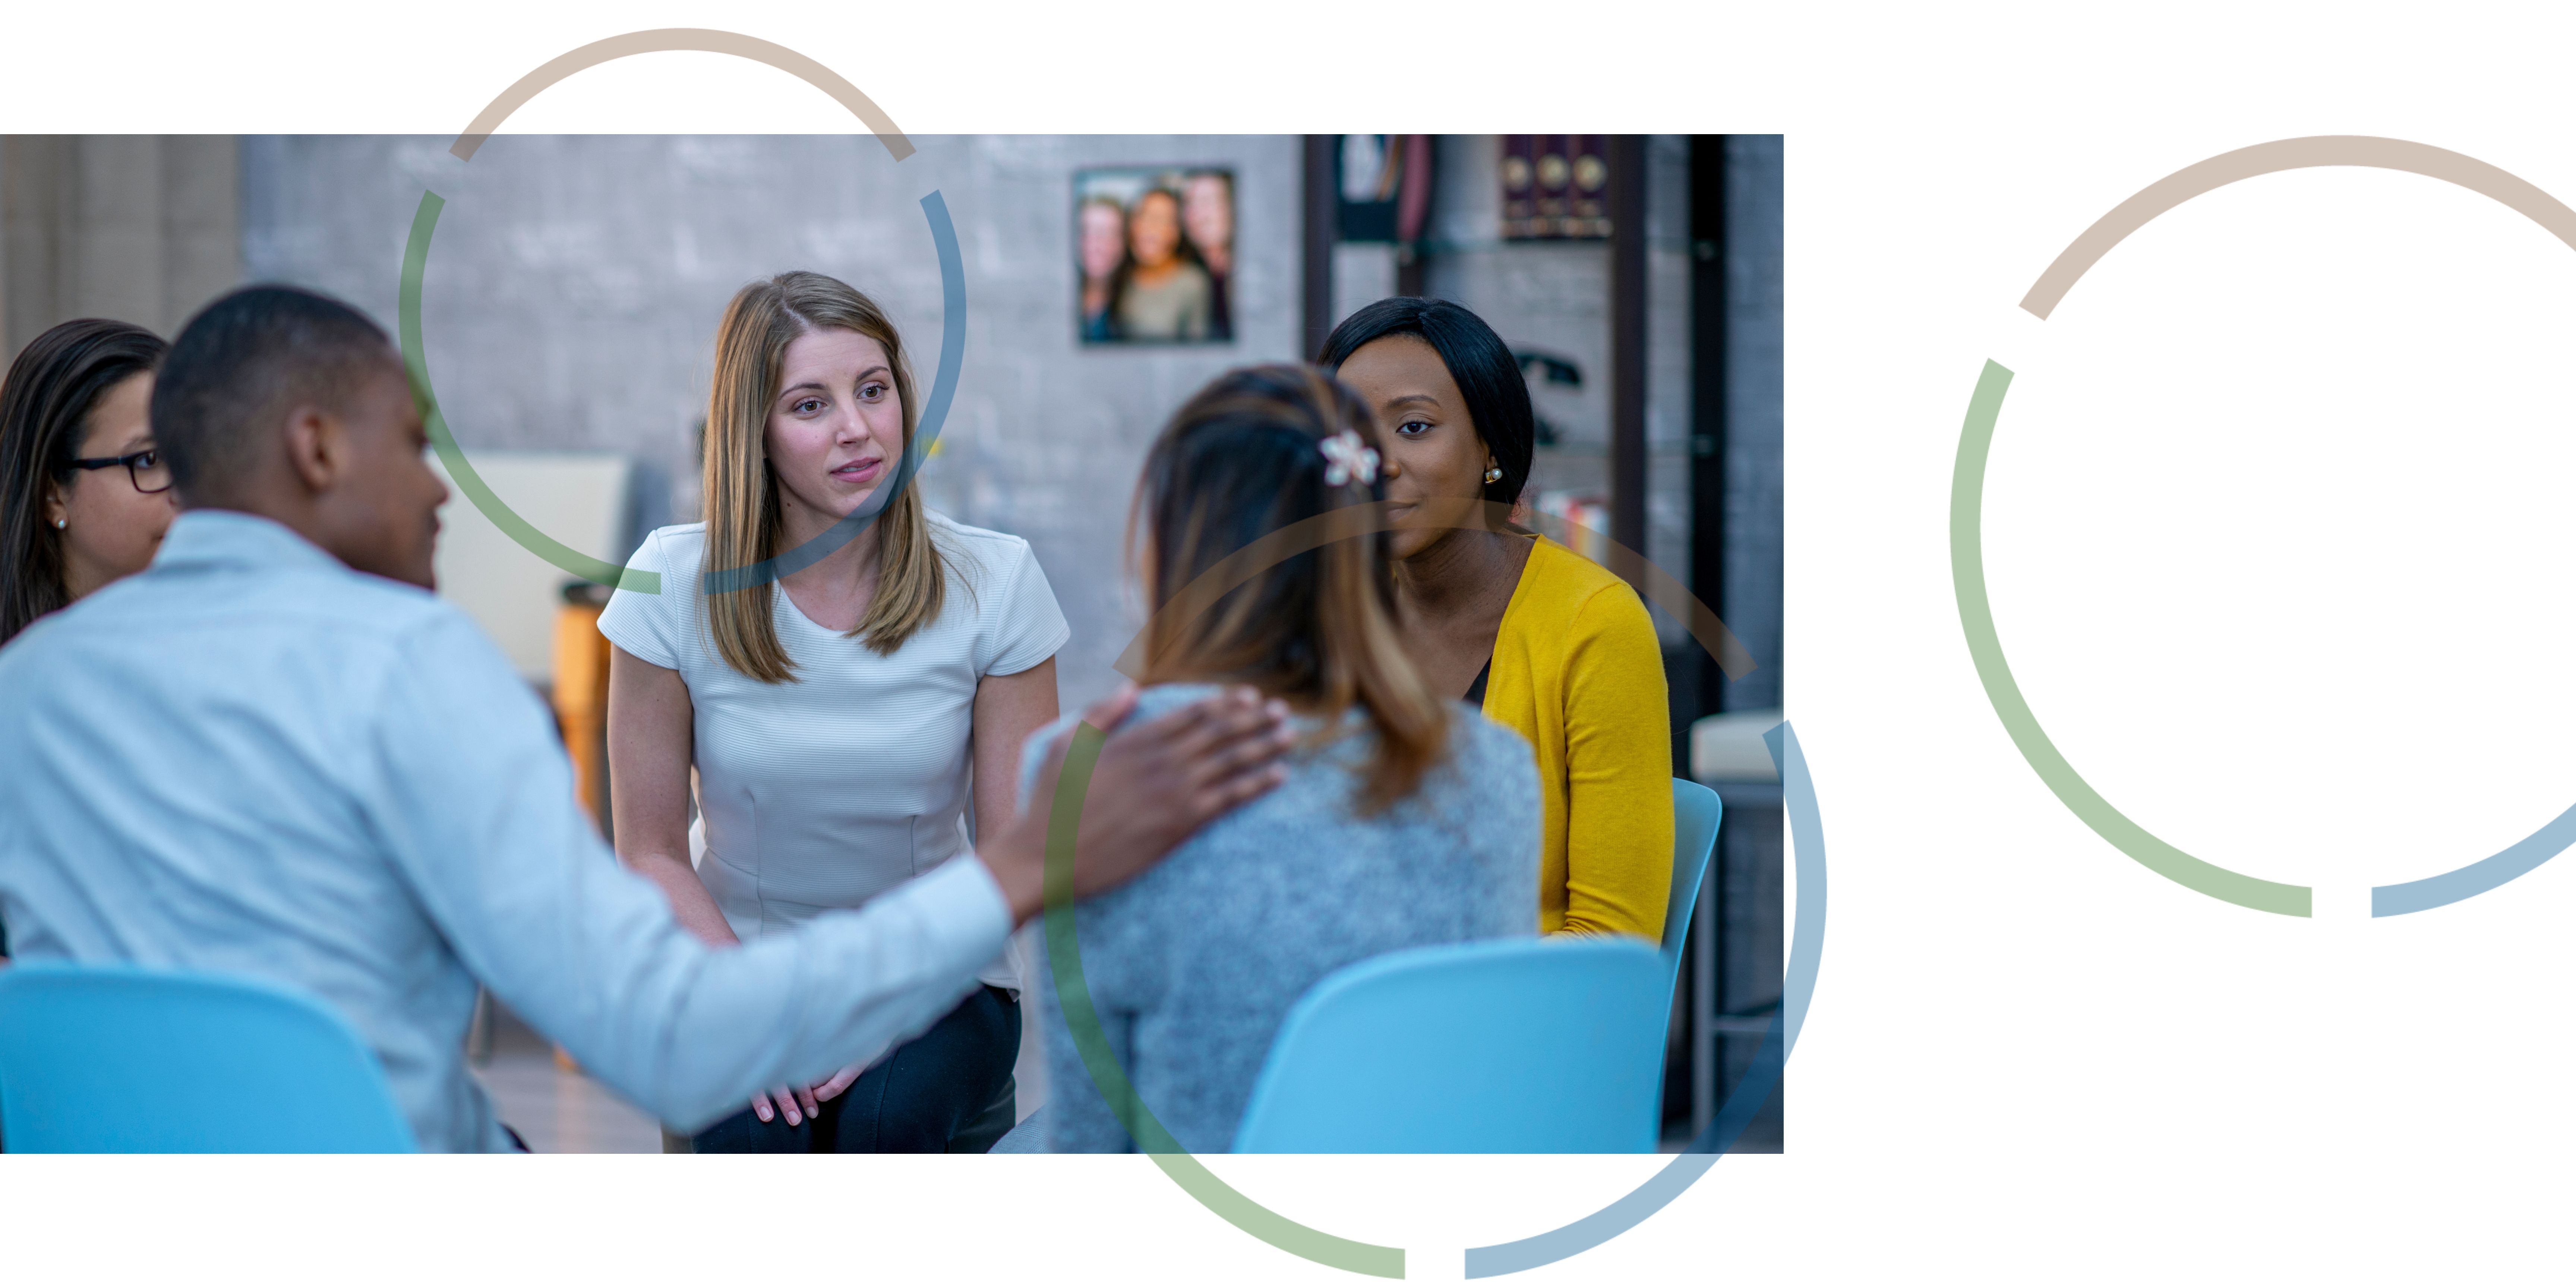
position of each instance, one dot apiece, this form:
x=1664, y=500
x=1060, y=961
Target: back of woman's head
x=1257, y=452
x=45, y=404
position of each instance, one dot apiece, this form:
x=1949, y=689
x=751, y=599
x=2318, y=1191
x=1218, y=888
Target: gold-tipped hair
x=1242, y=459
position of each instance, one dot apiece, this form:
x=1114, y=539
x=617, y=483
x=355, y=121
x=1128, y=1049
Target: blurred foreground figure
x=1407, y=818
x=276, y=754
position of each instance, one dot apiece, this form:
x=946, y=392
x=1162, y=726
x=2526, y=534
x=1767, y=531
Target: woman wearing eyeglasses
x=83, y=497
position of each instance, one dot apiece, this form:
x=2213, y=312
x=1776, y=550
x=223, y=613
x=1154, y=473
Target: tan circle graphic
x=1967, y=537
x=689, y=39
x=2291, y=154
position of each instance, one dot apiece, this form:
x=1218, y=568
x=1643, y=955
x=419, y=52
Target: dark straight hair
x=1488, y=377
x=45, y=405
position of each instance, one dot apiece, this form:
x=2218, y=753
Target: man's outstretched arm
x=476, y=806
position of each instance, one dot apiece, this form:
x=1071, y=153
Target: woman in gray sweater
x=1405, y=820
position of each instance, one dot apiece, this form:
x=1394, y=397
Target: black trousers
x=911, y=1102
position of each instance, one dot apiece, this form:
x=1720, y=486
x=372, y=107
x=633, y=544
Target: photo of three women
x=1154, y=253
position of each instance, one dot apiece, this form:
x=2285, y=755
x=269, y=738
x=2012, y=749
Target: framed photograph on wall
x=1153, y=254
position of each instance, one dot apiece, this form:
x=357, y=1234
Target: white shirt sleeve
x=1030, y=627
x=473, y=799
x=648, y=626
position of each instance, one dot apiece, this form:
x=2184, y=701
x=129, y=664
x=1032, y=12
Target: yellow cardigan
x=1577, y=671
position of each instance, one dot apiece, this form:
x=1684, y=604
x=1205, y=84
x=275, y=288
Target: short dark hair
x=248, y=359
x=45, y=404
x=1488, y=377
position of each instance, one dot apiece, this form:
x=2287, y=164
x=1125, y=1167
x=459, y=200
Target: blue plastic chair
x=1696, y=811
x=1516, y=1046
x=132, y=1060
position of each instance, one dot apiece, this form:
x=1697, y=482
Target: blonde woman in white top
x=835, y=715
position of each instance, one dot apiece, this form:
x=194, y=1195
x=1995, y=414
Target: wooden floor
x=557, y=1110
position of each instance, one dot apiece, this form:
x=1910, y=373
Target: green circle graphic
x=1967, y=493
x=1977, y=618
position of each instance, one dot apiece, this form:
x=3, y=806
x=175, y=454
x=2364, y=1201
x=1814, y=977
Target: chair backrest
x=133, y=1060
x=1519, y=1046
x=1696, y=811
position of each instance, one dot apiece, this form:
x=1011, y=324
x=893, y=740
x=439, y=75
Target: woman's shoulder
x=1151, y=702
x=1484, y=790
x=1574, y=596
x=1497, y=773
x=679, y=546
x=1006, y=592
x=1480, y=761
x=1559, y=572
x=969, y=537
x=672, y=555
x=1157, y=700
x=979, y=556
x=1487, y=752
x=656, y=623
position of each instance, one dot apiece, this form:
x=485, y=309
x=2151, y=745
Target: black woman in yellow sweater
x=1548, y=642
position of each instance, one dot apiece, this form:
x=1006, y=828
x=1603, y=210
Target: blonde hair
x=742, y=508
x=1242, y=461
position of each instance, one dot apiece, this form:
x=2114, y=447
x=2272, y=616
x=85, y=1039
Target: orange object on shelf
x=581, y=693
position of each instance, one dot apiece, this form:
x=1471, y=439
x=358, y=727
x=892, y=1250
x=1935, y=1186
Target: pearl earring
x=60, y=523
x=1493, y=473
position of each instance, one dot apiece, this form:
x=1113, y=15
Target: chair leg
x=1704, y=1005
x=478, y=1031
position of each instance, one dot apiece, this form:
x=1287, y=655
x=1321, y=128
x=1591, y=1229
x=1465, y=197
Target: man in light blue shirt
x=275, y=754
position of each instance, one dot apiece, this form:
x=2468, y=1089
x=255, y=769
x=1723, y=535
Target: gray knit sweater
x=1193, y=965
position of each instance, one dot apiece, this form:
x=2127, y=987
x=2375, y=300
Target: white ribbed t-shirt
x=831, y=789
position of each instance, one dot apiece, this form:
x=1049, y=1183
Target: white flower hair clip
x=1347, y=458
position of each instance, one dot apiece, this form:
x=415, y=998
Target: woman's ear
x=57, y=506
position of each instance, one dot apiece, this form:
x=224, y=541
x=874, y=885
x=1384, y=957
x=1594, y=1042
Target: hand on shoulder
x=1151, y=787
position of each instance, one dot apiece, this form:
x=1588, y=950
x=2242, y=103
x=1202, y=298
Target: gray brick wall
x=575, y=282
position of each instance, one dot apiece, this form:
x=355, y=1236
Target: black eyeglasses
x=145, y=468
